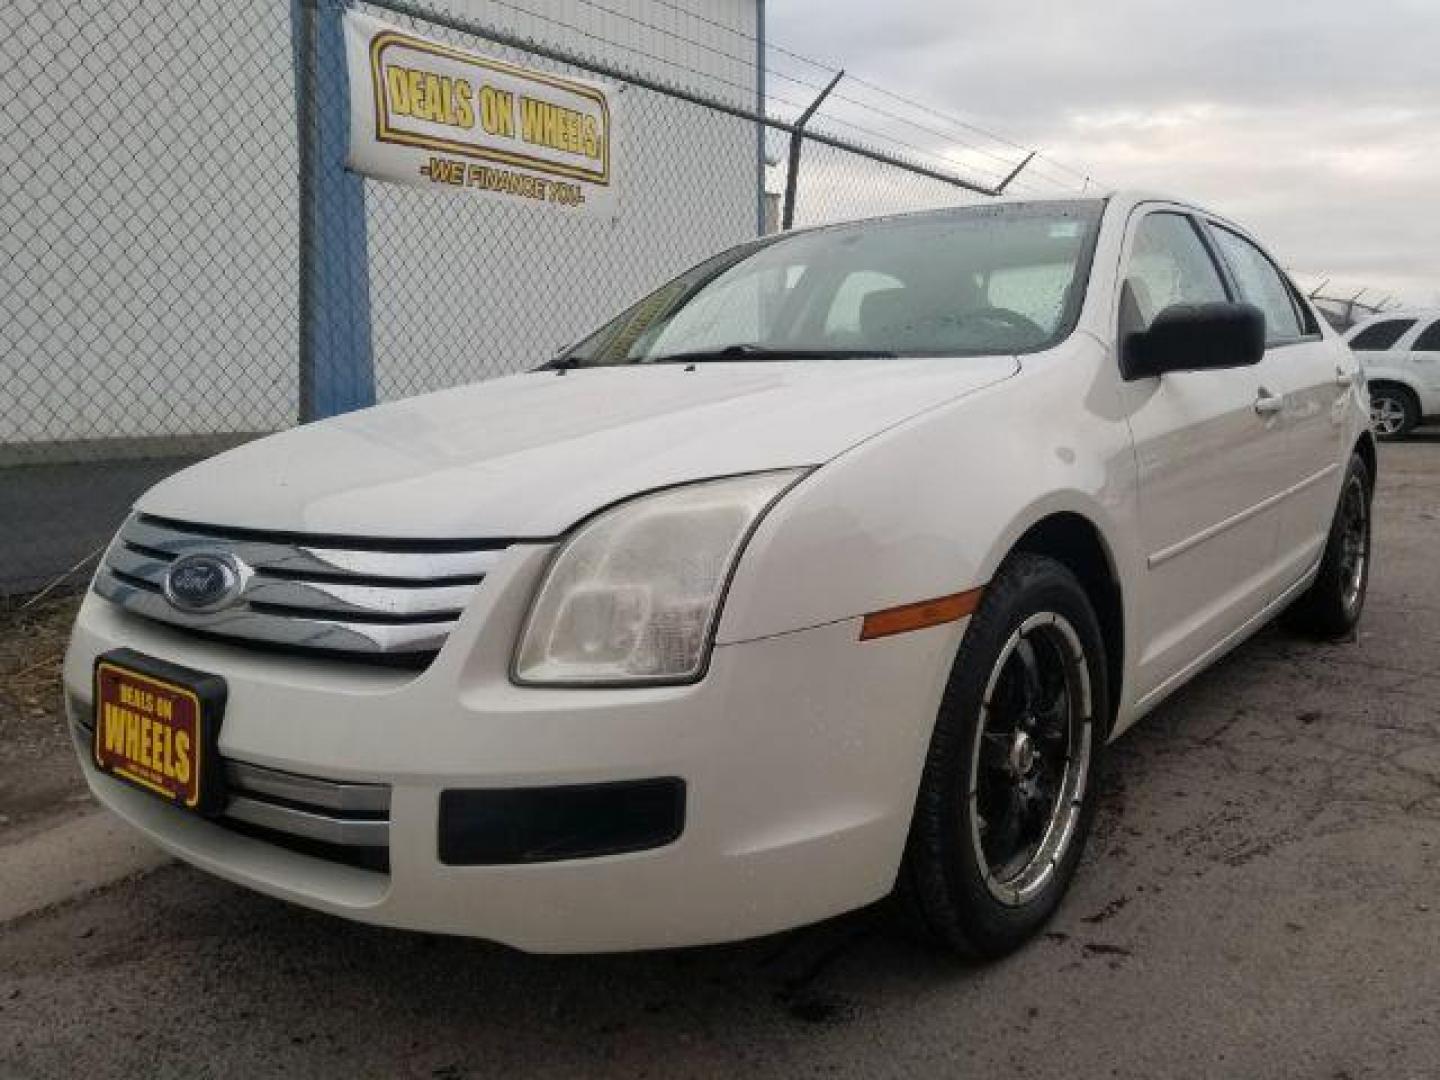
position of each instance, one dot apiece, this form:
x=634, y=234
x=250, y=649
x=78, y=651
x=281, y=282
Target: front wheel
x=1331, y=607
x=1008, y=790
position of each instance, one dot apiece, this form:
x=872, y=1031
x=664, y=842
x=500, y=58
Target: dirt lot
x=39, y=781
x=1262, y=898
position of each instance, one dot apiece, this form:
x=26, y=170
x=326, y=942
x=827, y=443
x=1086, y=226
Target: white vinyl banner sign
x=423, y=112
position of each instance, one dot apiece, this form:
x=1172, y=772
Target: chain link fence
x=154, y=192
x=148, y=309
x=1343, y=312
x=837, y=184
x=696, y=166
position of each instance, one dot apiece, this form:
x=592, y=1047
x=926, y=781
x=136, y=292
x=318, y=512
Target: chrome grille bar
x=368, y=800
x=337, y=598
x=308, y=824
x=368, y=601
x=338, y=812
x=397, y=564
x=331, y=811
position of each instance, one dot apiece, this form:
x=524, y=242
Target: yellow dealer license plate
x=157, y=726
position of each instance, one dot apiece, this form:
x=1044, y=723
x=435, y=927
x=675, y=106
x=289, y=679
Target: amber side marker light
x=919, y=615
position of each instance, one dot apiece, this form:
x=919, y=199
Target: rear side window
x=1380, y=336
x=1429, y=339
x=1261, y=284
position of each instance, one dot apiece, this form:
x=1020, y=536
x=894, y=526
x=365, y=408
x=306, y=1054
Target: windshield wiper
x=729, y=353
x=744, y=352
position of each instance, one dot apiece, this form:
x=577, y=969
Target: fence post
x=1000, y=188
x=797, y=136
x=337, y=371
x=760, y=128
x=1350, y=305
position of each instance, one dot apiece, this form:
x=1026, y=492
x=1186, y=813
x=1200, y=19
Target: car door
x=1424, y=360
x=1208, y=447
x=1313, y=374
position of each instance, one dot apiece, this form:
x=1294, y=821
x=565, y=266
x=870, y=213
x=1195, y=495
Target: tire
x=1034, y=619
x=1394, y=412
x=1331, y=606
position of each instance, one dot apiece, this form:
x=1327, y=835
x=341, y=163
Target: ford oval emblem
x=203, y=582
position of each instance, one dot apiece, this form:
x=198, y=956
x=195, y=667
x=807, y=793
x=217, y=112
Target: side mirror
x=1196, y=337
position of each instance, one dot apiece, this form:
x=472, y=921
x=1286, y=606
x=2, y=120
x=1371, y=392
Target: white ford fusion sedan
x=825, y=573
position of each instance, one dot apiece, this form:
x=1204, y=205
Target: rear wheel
x=1393, y=411
x=1331, y=607
x=1008, y=790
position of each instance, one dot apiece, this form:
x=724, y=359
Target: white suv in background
x=1400, y=352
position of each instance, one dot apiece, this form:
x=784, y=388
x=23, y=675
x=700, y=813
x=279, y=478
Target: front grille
x=383, y=600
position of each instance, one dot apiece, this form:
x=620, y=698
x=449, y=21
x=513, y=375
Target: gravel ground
x=1261, y=898
x=39, y=780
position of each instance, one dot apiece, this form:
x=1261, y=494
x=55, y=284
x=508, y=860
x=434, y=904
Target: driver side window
x=1169, y=264
x=843, y=318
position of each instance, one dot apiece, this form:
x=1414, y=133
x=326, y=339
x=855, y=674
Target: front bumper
x=800, y=756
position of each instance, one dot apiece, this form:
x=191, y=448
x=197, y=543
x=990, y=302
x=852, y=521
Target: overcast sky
x=1315, y=123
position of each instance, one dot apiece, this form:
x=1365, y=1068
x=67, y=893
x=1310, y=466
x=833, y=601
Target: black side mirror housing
x=1196, y=337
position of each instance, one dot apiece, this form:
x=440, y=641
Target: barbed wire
x=849, y=98
x=600, y=39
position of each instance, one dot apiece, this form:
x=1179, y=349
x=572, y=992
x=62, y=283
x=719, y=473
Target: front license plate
x=157, y=727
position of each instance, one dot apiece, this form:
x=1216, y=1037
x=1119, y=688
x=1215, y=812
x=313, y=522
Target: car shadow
x=316, y=995
x=816, y=975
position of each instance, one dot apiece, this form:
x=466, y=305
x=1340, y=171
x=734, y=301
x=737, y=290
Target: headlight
x=634, y=595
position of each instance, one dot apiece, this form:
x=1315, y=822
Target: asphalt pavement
x=1261, y=898
x=58, y=516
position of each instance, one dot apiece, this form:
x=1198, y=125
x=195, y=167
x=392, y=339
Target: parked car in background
x=1400, y=354
x=825, y=572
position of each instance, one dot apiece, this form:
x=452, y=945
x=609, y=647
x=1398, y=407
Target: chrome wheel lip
x=1023, y=885
x=1387, y=416
x=1354, y=541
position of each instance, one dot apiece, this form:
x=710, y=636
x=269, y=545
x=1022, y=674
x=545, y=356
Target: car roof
x=1124, y=197
x=1414, y=314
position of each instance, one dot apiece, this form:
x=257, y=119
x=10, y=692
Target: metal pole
x=336, y=367
x=760, y=109
x=797, y=136
x=1016, y=172
x=1350, y=306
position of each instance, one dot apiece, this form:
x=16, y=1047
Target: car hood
x=529, y=455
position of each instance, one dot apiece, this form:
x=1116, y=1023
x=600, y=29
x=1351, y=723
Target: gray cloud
x=1315, y=123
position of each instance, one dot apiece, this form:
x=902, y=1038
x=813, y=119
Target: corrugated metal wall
x=148, y=238
x=148, y=213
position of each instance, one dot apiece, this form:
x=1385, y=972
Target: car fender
x=1392, y=374
x=931, y=507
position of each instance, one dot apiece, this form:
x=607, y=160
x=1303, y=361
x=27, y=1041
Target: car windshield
x=1003, y=278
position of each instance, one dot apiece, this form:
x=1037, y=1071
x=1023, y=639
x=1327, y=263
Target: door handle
x=1343, y=377
x=1268, y=404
